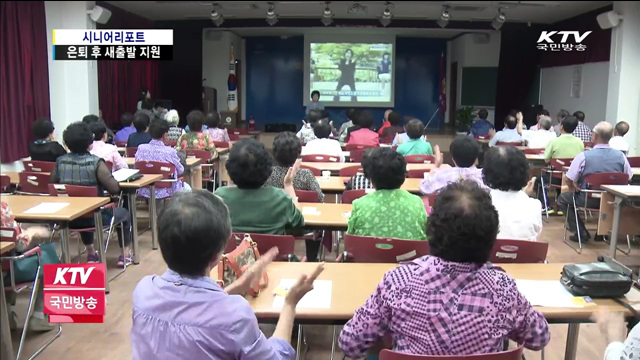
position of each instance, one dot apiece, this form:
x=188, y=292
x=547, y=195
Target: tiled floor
x=111, y=339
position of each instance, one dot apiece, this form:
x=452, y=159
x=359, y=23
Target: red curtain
x=119, y=81
x=24, y=74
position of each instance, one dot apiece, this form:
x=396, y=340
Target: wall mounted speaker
x=609, y=19
x=99, y=14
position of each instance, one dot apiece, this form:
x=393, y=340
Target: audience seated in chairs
x=216, y=131
x=175, y=131
x=394, y=121
x=602, y=158
x=464, y=151
x=323, y=144
x=191, y=244
x=617, y=141
x=126, y=120
x=509, y=133
x=537, y=139
x=306, y=133
x=481, y=127
x=506, y=172
x=362, y=133
x=103, y=150
x=389, y=211
x=416, y=145
x=462, y=232
x=79, y=167
x=156, y=150
x=141, y=122
x=45, y=147
x=196, y=138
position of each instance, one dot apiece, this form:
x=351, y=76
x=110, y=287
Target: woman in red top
x=364, y=135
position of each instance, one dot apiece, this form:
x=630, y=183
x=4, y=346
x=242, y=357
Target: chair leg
x=32, y=301
x=575, y=212
x=544, y=196
x=333, y=342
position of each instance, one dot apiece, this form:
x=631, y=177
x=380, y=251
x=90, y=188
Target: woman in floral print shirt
x=196, y=139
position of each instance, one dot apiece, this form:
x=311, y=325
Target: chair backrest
x=417, y=173
x=121, y=143
x=284, y=243
x=349, y=147
x=588, y=144
x=314, y=171
x=595, y=181
x=5, y=183
x=204, y=155
x=369, y=249
x=7, y=234
x=307, y=196
x=534, y=151
x=72, y=190
x=349, y=195
x=221, y=144
x=171, y=143
x=157, y=168
x=109, y=165
x=239, y=132
x=351, y=171
x=386, y=139
x=634, y=161
x=234, y=137
x=320, y=158
x=514, y=354
x=356, y=155
x=509, y=143
x=558, y=164
x=518, y=251
x=38, y=166
x=131, y=151
x=34, y=182
x=420, y=159
x=481, y=137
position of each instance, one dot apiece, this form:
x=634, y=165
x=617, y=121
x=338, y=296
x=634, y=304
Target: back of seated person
x=89, y=119
x=388, y=211
x=617, y=141
x=127, y=127
x=141, y=122
x=256, y=208
x=481, y=126
x=306, y=133
x=103, y=150
x=363, y=135
x=196, y=138
x=175, y=131
x=216, y=131
x=416, y=144
x=156, y=150
x=394, y=127
x=322, y=144
x=453, y=301
x=509, y=133
x=45, y=148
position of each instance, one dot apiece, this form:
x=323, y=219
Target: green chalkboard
x=479, y=86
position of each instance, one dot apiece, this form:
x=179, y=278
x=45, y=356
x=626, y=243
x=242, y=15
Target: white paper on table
x=546, y=293
x=633, y=296
x=46, y=208
x=318, y=298
x=124, y=174
x=308, y=210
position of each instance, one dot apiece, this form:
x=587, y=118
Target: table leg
x=64, y=243
x=5, y=332
x=153, y=219
x=617, y=205
x=97, y=218
x=131, y=196
x=572, y=342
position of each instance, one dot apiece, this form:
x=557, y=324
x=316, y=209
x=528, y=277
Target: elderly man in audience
x=106, y=151
x=559, y=117
x=389, y=211
x=537, y=139
x=481, y=126
x=617, y=141
x=509, y=133
x=464, y=151
x=323, y=144
x=541, y=113
x=453, y=301
x=506, y=172
x=602, y=158
x=582, y=131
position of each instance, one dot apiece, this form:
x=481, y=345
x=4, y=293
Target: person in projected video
x=384, y=70
x=347, y=69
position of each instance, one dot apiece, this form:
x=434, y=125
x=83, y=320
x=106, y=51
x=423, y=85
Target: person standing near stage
x=347, y=69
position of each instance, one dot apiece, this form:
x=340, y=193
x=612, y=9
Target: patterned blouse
x=9, y=221
x=218, y=134
x=174, y=133
x=389, y=213
x=430, y=306
x=304, y=180
x=197, y=141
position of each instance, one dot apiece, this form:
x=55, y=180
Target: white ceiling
x=543, y=12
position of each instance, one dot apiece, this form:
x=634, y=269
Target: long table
x=326, y=216
x=353, y=283
x=336, y=184
x=623, y=195
x=337, y=166
x=193, y=167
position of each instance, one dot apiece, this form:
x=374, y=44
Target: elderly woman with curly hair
x=506, y=172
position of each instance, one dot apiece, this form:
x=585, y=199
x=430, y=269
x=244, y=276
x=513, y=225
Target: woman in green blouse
x=389, y=211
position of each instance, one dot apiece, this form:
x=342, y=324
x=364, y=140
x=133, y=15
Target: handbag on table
x=597, y=280
x=232, y=265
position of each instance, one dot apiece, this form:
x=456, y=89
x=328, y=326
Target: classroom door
x=453, y=93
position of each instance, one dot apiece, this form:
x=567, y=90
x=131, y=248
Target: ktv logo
x=546, y=42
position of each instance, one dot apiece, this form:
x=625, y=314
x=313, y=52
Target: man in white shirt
x=322, y=145
x=536, y=127
x=537, y=139
x=617, y=141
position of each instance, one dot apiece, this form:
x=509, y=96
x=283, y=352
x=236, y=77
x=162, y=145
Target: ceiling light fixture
x=272, y=16
x=444, y=17
x=327, y=15
x=216, y=17
x=385, y=19
x=499, y=20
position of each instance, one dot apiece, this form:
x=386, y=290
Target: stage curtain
x=119, y=81
x=24, y=83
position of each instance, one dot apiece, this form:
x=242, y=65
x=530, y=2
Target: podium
x=230, y=119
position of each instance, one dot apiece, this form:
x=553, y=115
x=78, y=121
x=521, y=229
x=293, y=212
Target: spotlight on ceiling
x=272, y=16
x=499, y=20
x=327, y=15
x=444, y=17
x=385, y=19
x=216, y=17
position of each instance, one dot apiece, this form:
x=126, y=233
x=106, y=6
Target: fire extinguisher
x=252, y=123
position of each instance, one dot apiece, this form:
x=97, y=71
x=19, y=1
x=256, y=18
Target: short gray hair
x=544, y=122
x=563, y=113
x=604, y=130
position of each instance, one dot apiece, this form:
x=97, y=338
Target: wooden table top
x=534, y=156
x=337, y=166
x=144, y=181
x=625, y=191
x=336, y=184
x=14, y=176
x=190, y=161
x=353, y=283
x=77, y=207
x=6, y=246
x=327, y=215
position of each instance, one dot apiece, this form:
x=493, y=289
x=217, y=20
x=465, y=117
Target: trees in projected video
x=327, y=56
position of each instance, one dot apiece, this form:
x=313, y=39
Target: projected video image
x=350, y=72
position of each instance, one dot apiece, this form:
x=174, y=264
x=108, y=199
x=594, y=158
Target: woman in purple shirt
x=452, y=302
x=184, y=314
